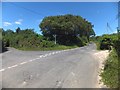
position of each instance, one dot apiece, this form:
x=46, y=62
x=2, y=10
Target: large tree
x=68, y=28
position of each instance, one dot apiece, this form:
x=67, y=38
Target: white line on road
x=23, y=63
x=13, y=66
x=73, y=73
x=49, y=54
x=31, y=60
x=53, y=52
x=2, y=70
x=42, y=56
x=9, y=67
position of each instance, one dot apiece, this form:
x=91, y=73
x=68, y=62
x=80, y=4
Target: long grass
x=110, y=73
x=57, y=47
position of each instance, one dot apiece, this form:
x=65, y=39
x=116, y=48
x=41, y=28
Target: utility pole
x=55, y=38
x=118, y=52
x=118, y=31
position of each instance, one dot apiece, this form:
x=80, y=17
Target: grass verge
x=57, y=47
x=110, y=73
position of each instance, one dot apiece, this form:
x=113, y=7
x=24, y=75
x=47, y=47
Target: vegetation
x=1, y=41
x=111, y=69
x=110, y=74
x=105, y=41
x=71, y=31
x=26, y=40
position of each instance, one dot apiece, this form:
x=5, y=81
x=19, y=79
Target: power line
x=30, y=10
x=109, y=28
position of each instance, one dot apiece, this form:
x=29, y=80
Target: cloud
x=19, y=22
x=7, y=23
x=115, y=31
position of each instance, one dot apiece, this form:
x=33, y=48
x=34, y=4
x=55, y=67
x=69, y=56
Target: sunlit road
x=74, y=68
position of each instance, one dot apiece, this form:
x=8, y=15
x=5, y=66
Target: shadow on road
x=2, y=50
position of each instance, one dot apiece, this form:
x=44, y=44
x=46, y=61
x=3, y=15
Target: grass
x=57, y=47
x=98, y=45
x=110, y=73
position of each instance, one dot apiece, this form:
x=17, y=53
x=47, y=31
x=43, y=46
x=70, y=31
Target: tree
x=18, y=30
x=67, y=28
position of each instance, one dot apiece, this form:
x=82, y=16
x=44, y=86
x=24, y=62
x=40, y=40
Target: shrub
x=105, y=43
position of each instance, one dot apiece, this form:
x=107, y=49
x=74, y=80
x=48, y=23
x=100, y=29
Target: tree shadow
x=2, y=50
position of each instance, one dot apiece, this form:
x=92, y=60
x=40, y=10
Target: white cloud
x=7, y=23
x=115, y=31
x=19, y=22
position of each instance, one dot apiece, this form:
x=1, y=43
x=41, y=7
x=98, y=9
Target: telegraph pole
x=118, y=31
x=118, y=52
x=55, y=38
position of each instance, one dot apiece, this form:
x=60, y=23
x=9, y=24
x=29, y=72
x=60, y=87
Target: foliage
x=110, y=74
x=24, y=38
x=105, y=41
x=28, y=40
x=105, y=44
x=2, y=48
x=68, y=28
x=111, y=69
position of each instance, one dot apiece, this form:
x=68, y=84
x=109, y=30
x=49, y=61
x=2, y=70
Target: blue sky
x=29, y=14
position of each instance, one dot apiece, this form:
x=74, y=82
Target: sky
x=30, y=14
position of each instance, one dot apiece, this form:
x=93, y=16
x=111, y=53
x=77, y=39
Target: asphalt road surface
x=73, y=68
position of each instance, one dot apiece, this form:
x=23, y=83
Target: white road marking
x=12, y=66
x=23, y=63
x=37, y=58
x=41, y=56
x=49, y=53
x=52, y=53
x=31, y=60
x=2, y=70
x=9, y=67
x=59, y=51
x=46, y=55
x=73, y=73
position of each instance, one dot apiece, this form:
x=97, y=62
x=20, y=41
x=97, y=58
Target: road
x=73, y=68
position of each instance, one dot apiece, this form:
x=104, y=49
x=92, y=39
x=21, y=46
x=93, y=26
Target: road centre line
x=42, y=56
x=2, y=70
x=23, y=63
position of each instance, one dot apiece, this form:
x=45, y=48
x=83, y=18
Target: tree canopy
x=68, y=28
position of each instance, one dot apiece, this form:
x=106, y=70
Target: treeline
x=70, y=30
x=24, y=39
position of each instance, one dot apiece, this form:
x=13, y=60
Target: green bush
x=105, y=44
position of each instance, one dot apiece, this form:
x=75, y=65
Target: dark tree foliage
x=69, y=29
x=24, y=39
x=105, y=44
x=18, y=30
x=106, y=41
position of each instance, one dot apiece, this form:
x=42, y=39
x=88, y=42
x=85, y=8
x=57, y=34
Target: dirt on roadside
x=101, y=56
